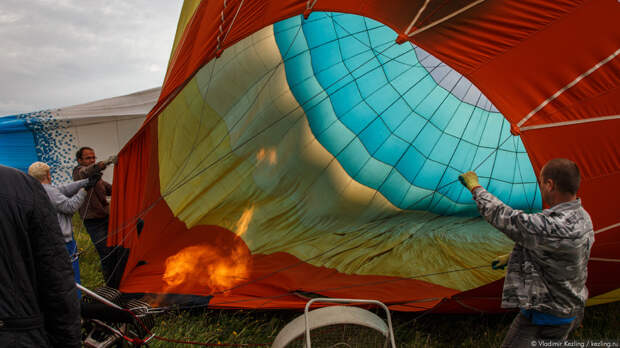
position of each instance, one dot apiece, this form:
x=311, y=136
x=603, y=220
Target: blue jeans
x=523, y=332
x=72, y=249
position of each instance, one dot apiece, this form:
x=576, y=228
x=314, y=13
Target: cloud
x=15, y=105
x=8, y=18
x=65, y=52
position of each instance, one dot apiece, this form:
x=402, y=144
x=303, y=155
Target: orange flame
x=217, y=269
x=205, y=267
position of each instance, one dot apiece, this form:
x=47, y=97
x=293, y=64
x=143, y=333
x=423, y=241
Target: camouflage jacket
x=547, y=270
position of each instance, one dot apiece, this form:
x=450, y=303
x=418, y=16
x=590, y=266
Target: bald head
x=564, y=173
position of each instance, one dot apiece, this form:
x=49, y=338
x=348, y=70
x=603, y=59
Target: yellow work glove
x=469, y=180
x=500, y=262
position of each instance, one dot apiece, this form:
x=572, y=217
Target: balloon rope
x=186, y=180
x=254, y=136
x=377, y=117
x=290, y=266
x=145, y=211
x=82, y=218
x=323, y=253
x=242, y=144
x=301, y=262
x=454, y=153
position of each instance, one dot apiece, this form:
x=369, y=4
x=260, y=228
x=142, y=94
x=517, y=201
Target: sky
x=56, y=53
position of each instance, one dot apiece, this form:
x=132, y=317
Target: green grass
x=90, y=267
x=411, y=329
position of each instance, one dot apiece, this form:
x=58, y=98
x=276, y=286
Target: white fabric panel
x=135, y=104
x=127, y=128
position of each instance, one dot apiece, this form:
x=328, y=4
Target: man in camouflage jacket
x=547, y=269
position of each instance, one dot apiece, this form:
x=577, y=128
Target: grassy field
x=411, y=329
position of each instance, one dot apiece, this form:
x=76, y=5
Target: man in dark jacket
x=38, y=298
x=95, y=210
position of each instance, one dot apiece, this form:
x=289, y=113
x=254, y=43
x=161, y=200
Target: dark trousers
x=98, y=231
x=522, y=332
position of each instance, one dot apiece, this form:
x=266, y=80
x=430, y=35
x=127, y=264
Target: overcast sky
x=57, y=53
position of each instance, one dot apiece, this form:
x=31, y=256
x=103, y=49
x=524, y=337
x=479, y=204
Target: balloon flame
x=203, y=266
x=217, y=269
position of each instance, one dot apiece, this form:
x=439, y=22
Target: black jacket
x=39, y=306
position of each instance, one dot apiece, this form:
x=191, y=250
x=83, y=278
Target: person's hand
x=111, y=160
x=469, y=180
x=92, y=180
x=500, y=262
x=101, y=165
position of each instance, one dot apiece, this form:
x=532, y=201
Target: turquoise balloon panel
x=397, y=119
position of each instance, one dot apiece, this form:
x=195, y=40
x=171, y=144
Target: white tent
x=53, y=136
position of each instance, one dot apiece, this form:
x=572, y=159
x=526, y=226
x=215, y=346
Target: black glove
x=92, y=180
